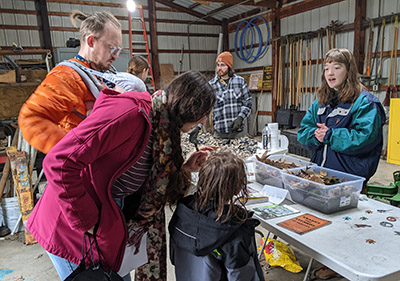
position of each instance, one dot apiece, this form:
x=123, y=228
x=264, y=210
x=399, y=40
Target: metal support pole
x=130, y=32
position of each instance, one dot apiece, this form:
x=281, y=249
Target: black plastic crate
x=294, y=146
x=297, y=117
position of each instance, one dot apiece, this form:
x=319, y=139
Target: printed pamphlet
x=304, y=223
x=268, y=211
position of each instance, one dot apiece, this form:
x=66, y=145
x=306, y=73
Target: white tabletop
x=343, y=247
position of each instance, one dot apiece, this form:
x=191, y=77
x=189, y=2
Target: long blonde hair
x=351, y=87
x=93, y=24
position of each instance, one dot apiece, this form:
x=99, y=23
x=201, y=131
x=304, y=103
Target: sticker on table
x=383, y=211
x=392, y=219
x=346, y=218
x=362, y=225
x=368, y=211
x=345, y=201
x=363, y=218
x=386, y=224
x=370, y=241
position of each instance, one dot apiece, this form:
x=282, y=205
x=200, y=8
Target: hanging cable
x=244, y=53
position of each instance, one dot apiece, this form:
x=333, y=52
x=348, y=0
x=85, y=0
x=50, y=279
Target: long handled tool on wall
x=379, y=70
x=306, y=82
x=396, y=33
x=310, y=68
x=276, y=71
x=317, y=60
x=300, y=74
x=386, y=101
x=328, y=38
x=369, y=51
x=292, y=60
x=279, y=78
x=281, y=73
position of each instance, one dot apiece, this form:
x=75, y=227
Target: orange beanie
x=226, y=58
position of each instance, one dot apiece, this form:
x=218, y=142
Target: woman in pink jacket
x=124, y=131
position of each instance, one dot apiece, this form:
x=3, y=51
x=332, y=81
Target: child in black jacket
x=211, y=233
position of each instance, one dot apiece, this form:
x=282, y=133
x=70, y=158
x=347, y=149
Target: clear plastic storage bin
x=324, y=198
x=267, y=174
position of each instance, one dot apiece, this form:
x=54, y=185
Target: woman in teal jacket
x=344, y=124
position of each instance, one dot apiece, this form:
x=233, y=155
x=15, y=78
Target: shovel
x=389, y=93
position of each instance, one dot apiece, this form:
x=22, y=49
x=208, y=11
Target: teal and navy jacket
x=353, y=142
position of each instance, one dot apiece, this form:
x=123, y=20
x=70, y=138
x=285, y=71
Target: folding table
x=370, y=252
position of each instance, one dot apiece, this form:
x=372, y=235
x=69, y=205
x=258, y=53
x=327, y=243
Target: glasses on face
x=114, y=51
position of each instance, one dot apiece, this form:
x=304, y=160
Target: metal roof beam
x=260, y=3
x=194, y=5
x=189, y=11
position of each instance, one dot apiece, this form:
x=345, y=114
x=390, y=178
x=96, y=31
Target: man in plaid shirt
x=233, y=103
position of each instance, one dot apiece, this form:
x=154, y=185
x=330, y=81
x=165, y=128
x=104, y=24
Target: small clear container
x=324, y=198
x=267, y=174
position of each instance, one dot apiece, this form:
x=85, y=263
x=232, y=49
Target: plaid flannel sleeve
x=247, y=101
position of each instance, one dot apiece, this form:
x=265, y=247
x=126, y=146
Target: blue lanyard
x=109, y=84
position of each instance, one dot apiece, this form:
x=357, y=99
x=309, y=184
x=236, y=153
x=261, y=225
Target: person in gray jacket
x=212, y=235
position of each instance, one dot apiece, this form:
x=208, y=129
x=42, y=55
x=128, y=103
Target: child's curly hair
x=222, y=182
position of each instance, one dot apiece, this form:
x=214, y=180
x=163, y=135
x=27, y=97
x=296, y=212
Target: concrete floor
x=31, y=263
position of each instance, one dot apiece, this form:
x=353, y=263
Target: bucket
x=1, y=217
x=11, y=213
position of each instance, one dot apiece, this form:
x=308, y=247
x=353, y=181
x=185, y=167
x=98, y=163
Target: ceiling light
x=130, y=4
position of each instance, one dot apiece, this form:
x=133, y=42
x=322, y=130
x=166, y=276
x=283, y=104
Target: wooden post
x=44, y=16
x=154, y=44
x=359, y=33
x=130, y=33
x=276, y=32
x=225, y=35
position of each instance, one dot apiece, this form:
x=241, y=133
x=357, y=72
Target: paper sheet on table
x=275, y=195
x=132, y=261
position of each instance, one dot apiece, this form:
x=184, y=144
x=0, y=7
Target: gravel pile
x=244, y=147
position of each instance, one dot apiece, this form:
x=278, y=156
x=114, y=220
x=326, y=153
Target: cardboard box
x=8, y=76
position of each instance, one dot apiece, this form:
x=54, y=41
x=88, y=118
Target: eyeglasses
x=114, y=51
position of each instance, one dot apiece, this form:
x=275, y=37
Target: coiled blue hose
x=244, y=53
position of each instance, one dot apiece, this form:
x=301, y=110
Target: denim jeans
x=65, y=267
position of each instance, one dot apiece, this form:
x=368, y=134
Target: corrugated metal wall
x=203, y=48
x=313, y=20
x=199, y=45
x=27, y=37
x=387, y=7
